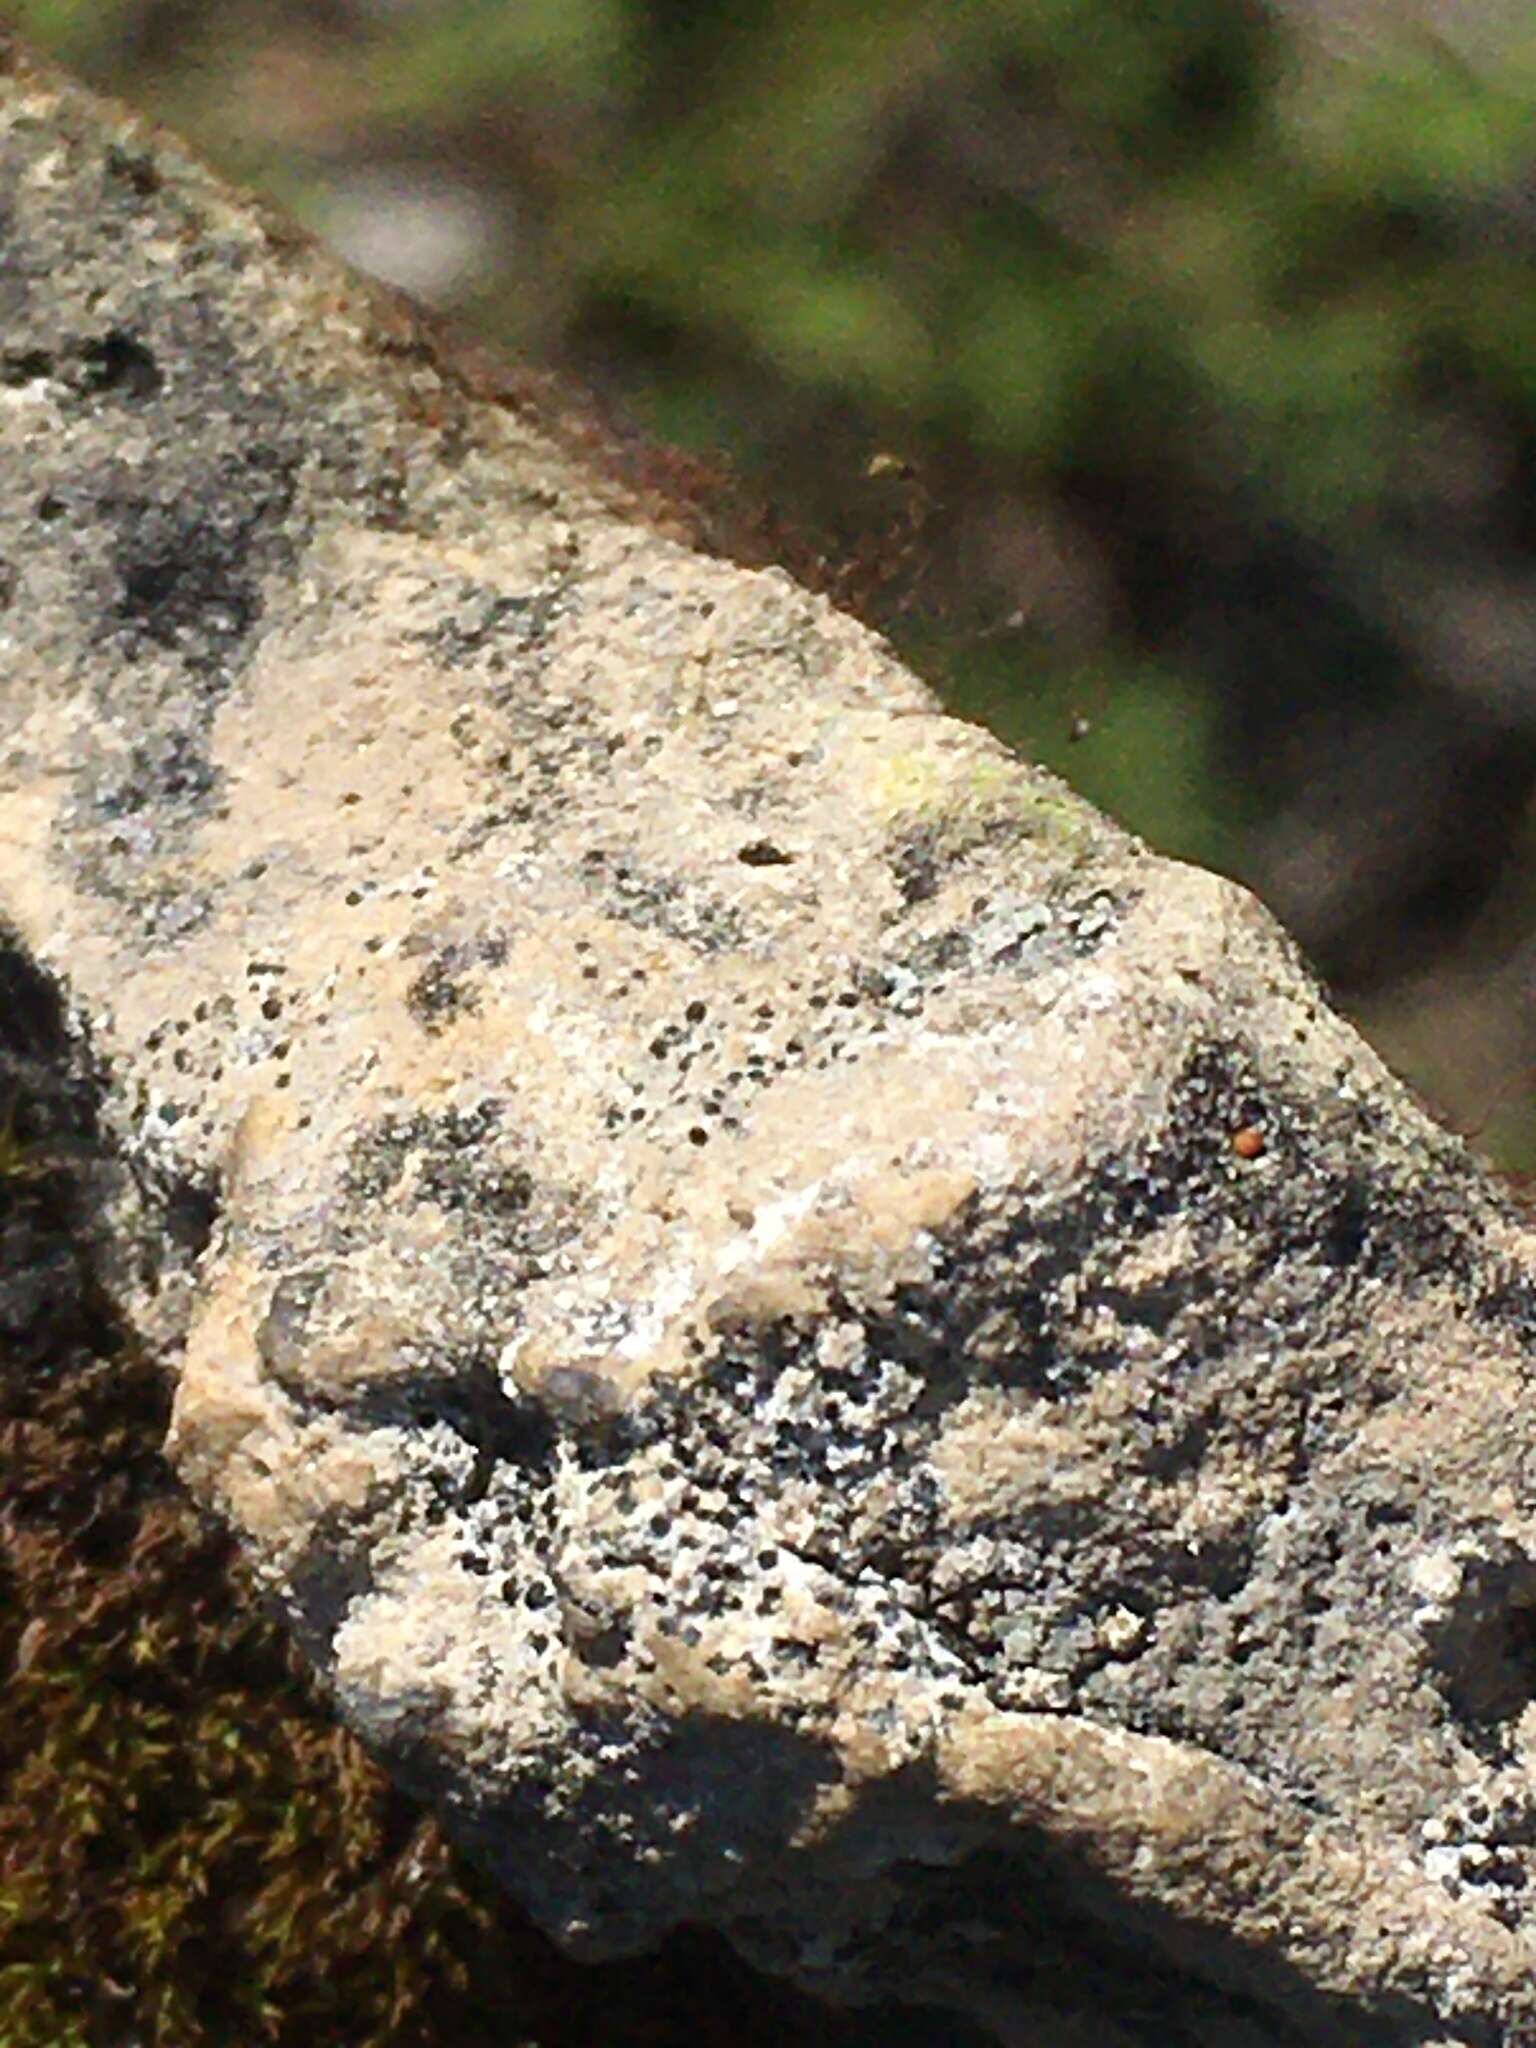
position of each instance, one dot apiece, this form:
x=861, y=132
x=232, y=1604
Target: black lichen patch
x=703, y=1066
x=168, y=570
x=440, y=1146
x=466, y=1163
x=533, y=748
x=660, y=903
x=132, y=813
x=1003, y=931
x=190, y=568
x=459, y=1172
x=530, y=746
x=915, y=862
x=439, y=994
x=494, y=626
x=1039, y=1299
x=167, y=773
x=446, y=988
x=1370, y=1225
x=938, y=953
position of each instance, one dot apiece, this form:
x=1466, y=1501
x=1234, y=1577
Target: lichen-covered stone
x=811, y=1338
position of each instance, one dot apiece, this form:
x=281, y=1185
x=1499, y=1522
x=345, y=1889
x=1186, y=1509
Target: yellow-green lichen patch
x=962, y=792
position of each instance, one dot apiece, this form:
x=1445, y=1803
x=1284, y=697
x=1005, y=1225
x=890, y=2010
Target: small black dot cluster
x=249, y=1027
x=704, y=1066
x=639, y=897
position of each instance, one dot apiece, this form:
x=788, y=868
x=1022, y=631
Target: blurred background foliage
x=1164, y=378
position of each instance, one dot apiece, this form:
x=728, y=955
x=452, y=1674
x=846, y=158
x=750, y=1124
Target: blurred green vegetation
x=1209, y=330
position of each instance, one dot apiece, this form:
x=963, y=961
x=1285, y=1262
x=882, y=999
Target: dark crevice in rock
x=1484, y=1651
x=121, y=366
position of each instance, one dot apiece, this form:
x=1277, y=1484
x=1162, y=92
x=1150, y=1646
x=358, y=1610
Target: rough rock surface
x=812, y=1339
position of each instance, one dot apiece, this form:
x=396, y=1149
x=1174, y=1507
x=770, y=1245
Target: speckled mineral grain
x=812, y=1340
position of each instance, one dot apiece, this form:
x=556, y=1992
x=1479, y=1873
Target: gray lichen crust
x=812, y=1339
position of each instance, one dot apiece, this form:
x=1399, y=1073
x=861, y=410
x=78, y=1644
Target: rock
x=812, y=1339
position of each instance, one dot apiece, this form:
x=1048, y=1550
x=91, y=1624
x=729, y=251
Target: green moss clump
x=191, y=1853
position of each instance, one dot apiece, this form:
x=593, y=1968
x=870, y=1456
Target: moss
x=18, y=1159
x=190, y=1851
